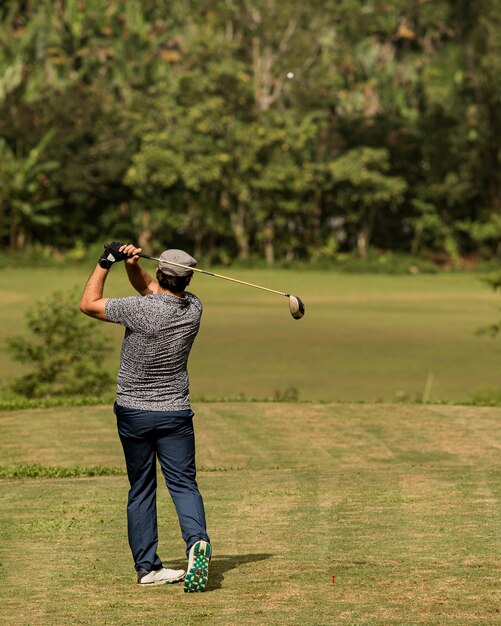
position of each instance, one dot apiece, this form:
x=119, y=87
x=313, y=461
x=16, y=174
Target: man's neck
x=171, y=293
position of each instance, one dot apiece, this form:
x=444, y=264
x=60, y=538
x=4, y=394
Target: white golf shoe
x=162, y=576
x=197, y=573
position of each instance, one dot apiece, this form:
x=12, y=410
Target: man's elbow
x=87, y=308
x=84, y=307
x=95, y=309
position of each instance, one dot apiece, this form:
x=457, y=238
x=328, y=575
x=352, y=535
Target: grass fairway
x=363, y=338
x=399, y=503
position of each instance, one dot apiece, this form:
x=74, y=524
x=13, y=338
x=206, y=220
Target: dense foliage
x=175, y=123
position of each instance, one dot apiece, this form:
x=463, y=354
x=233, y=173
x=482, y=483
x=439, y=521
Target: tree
x=478, y=26
x=25, y=192
x=494, y=329
x=176, y=120
x=364, y=189
x=219, y=131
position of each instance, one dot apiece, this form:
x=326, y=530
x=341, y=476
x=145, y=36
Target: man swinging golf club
x=153, y=411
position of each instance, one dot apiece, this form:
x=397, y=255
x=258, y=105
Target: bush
x=65, y=349
x=493, y=330
x=289, y=394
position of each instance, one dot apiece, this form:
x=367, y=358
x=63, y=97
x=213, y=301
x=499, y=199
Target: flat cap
x=176, y=256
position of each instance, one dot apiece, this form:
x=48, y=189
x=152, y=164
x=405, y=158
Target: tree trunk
x=416, y=241
x=365, y=231
x=21, y=239
x=146, y=233
x=16, y=235
x=198, y=240
x=268, y=86
x=269, y=238
x=240, y=232
x=13, y=234
x=312, y=236
x=363, y=237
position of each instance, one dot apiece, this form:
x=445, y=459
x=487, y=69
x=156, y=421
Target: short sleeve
x=195, y=301
x=126, y=311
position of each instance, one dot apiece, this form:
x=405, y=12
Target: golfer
x=153, y=411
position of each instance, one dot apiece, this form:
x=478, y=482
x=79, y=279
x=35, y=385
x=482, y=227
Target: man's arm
x=138, y=277
x=92, y=302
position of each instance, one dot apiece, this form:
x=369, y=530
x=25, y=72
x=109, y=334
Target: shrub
x=65, y=349
x=289, y=394
x=493, y=330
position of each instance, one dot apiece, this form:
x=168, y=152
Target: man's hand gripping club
x=92, y=302
x=112, y=254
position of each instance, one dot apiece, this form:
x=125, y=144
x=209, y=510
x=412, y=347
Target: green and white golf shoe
x=197, y=573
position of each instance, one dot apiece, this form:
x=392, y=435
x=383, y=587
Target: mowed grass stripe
x=400, y=504
x=263, y=435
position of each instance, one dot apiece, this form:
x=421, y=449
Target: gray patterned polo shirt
x=159, y=332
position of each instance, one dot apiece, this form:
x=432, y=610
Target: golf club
x=296, y=305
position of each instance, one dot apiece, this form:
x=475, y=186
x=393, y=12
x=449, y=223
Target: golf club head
x=296, y=307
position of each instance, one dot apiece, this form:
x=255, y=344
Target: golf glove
x=111, y=255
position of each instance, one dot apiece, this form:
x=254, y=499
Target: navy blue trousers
x=168, y=435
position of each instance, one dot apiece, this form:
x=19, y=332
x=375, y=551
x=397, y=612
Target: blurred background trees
x=174, y=123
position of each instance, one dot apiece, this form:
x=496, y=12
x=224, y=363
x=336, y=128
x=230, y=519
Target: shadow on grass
x=222, y=563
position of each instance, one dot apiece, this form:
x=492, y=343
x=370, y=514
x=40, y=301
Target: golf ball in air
x=290, y=74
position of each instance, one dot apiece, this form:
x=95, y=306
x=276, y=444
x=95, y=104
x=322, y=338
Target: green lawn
x=364, y=337
x=399, y=503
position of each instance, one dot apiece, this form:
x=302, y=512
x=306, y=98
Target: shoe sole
x=196, y=578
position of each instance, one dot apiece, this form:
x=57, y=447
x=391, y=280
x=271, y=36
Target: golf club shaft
x=195, y=269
